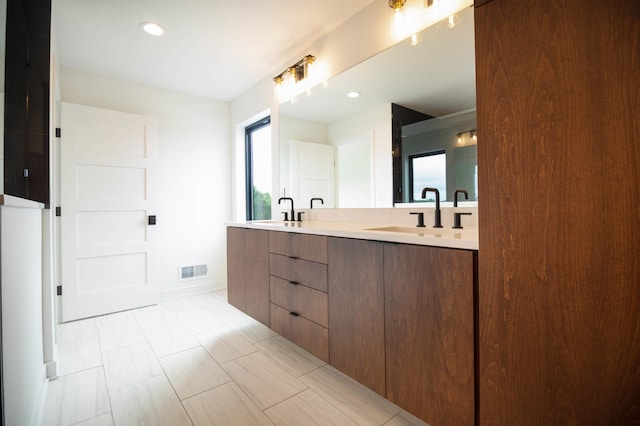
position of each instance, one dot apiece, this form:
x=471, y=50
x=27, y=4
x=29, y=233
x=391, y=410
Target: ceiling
x=212, y=48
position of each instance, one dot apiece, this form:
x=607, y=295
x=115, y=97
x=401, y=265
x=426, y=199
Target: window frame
x=410, y=159
x=248, y=164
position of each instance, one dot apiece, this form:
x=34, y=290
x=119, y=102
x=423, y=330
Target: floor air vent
x=193, y=271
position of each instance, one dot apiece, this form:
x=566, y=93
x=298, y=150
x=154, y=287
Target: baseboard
x=190, y=290
x=41, y=400
x=52, y=370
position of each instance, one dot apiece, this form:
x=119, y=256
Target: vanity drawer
x=310, y=274
x=301, y=246
x=307, y=334
x=309, y=303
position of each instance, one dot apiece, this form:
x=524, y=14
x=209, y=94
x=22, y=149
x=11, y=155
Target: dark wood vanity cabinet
x=248, y=272
x=429, y=332
x=356, y=310
x=397, y=318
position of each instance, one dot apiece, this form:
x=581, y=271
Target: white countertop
x=443, y=237
x=12, y=201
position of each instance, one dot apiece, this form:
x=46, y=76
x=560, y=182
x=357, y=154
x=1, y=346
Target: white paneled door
x=107, y=199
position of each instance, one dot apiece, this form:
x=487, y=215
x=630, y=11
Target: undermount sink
x=436, y=232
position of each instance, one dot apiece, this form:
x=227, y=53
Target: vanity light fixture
x=152, y=28
x=288, y=82
x=452, y=20
x=396, y=4
x=296, y=72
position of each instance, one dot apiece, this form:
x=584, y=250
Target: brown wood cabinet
x=429, y=332
x=299, y=301
x=558, y=101
x=248, y=272
x=235, y=268
x=356, y=310
x=397, y=318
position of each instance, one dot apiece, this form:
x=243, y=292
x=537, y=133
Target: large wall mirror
x=433, y=78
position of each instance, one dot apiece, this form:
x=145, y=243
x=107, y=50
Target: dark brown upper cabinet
x=26, y=108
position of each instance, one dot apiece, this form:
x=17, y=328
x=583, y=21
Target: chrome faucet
x=293, y=218
x=455, y=196
x=438, y=221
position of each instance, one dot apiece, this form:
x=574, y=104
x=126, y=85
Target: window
x=428, y=170
x=258, y=169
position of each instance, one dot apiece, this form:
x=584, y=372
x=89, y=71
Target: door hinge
x=58, y=132
x=58, y=211
x=59, y=290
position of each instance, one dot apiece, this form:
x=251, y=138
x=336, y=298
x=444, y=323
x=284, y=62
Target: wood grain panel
x=356, y=310
x=429, y=331
x=256, y=263
x=309, y=303
x=304, y=333
x=235, y=267
x=303, y=246
x=310, y=274
x=559, y=172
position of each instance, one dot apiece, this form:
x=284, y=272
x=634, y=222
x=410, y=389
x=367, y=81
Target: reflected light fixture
x=152, y=28
x=453, y=20
x=353, y=94
x=469, y=137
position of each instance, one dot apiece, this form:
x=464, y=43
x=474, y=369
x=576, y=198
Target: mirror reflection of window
x=428, y=169
x=453, y=135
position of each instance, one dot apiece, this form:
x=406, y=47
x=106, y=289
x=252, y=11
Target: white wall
x=193, y=169
x=22, y=352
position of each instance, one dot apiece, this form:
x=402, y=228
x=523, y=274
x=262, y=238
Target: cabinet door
x=356, y=310
x=256, y=264
x=429, y=329
x=235, y=267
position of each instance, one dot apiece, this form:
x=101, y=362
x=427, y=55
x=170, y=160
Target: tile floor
x=197, y=360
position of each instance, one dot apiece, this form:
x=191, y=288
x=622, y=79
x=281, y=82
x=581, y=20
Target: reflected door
x=107, y=160
x=312, y=171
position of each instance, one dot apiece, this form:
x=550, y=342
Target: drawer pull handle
x=293, y=257
x=294, y=283
x=294, y=314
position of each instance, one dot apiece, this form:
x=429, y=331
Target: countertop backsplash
x=392, y=216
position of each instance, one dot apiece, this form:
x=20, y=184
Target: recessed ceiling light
x=353, y=95
x=152, y=28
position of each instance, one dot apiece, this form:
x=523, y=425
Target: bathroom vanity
x=391, y=307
